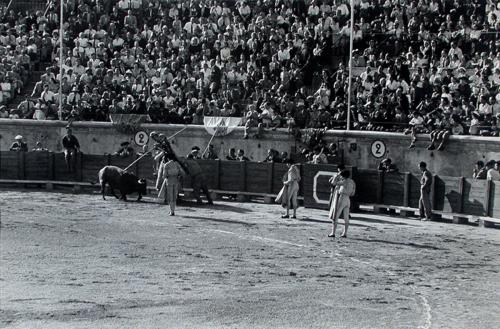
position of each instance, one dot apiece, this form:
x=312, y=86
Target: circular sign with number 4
x=378, y=149
x=141, y=138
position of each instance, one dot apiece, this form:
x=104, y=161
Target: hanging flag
x=221, y=126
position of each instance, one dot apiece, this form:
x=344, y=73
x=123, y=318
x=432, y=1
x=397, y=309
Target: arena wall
x=355, y=146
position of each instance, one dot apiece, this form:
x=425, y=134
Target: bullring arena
x=389, y=110
x=76, y=261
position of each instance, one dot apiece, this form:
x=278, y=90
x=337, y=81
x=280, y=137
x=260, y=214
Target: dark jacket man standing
x=424, y=204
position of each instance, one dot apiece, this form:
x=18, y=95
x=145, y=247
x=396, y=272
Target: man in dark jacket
x=71, y=148
x=198, y=180
x=424, y=204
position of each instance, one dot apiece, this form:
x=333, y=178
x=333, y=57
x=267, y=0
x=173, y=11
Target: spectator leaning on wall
x=494, y=173
x=386, y=165
x=480, y=170
x=71, y=148
x=19, y=145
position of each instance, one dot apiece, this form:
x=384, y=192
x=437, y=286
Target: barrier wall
x=449, y=194
x=355, y=146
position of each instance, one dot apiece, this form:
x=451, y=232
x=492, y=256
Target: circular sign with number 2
x=141, y=138
x=378, y=149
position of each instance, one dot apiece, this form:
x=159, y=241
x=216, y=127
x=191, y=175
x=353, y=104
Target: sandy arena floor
x=76, y=261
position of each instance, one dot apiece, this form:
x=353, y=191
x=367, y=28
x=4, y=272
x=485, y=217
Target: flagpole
x=61, y=26
x=350, y=68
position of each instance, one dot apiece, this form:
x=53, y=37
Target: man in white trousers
x=344, y=189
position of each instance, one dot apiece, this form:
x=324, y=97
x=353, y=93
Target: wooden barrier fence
x=449, y=194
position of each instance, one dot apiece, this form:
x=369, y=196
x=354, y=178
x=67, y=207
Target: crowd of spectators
x=432, y=63
x=17, y=50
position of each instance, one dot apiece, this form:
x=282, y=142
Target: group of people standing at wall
x=490, y=170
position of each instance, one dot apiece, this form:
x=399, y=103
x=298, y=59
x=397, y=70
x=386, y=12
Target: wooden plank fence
x=449, y=194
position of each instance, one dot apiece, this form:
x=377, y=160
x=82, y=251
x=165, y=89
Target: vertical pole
x=52, y=166
x=350, y=68
x=243, y=171
x=433, y=192
x=136, y=169
x=461, y=184
x=487, y=198
x=380, y=187
x=61, y=26
x=270, y=169
x=79, y=165
x=217, y=173
x=21, y=162
x=406, y=192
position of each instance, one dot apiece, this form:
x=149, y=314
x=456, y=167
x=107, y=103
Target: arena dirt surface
x=76, y=261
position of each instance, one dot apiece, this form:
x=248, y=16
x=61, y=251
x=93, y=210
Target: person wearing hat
x=386, y=165
x=4, y=112
x=195, y=153
x=19, y=145
x=71, y=148
x=125, y=150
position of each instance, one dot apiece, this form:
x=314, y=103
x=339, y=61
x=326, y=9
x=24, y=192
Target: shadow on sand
x=327, y=221
x=227, y=221
x=410, y=244
x=215, y=206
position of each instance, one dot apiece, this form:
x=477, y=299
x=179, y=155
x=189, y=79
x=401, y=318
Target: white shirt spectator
x=190, y=27
x=313, y=10
x=455, y=51
x=173, y=12
x=225, y=53
x=48, y=96
x=118, y=42
x=216, y=10
x=284, y=54
x=245, y=10
x=493, y=174
x=485, y=108
x=39, y=115
x=344, y=10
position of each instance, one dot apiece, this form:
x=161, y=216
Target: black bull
x=119, y=179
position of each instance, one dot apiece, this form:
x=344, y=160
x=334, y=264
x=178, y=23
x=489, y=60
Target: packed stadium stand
x=418, y=65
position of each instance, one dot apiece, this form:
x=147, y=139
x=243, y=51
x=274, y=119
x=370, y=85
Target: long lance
x=210, y=141
x=139, y=158
x=148, y=152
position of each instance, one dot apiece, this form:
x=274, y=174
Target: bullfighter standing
x=344, y=188
x=167, y=183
